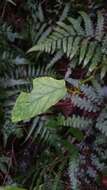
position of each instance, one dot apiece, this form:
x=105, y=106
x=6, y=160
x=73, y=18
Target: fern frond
x=97, y=163
x=39, y=129
x=90, y=53
x=25, y=73
x=91, y=94
x=100, y=26
x=40, y=13
x=69, y=46
x=76, y=26
x=104, y=45
x=65, y=29
x=83, y=103
x=78, y=42
x=88, y=25
x=65, y=12
x=75, y=48
x=45, y=34
x=56, y=58
x=73, y=172
x=96, y=59
x=102, y=121
x=5, y=83
x=37, y=37
x=74, y=121
x=36, y=11
x=84, y=46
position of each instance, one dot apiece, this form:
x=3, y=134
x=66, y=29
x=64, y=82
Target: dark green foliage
x=66, y=147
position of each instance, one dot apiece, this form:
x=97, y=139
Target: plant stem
x=4, y=9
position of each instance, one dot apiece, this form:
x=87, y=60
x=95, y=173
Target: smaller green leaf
x=73, y=150
x=77, y=133
x=52, y=123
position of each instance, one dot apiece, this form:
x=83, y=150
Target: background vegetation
x=66, y=147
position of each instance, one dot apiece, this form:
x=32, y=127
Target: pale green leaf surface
x=46, y=92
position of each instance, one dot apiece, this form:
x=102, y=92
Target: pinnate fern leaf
x=100, y=26
x=102, y=121
x=74, y=121
x=88, y=24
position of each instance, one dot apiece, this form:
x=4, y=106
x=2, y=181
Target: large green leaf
x=46, y=92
